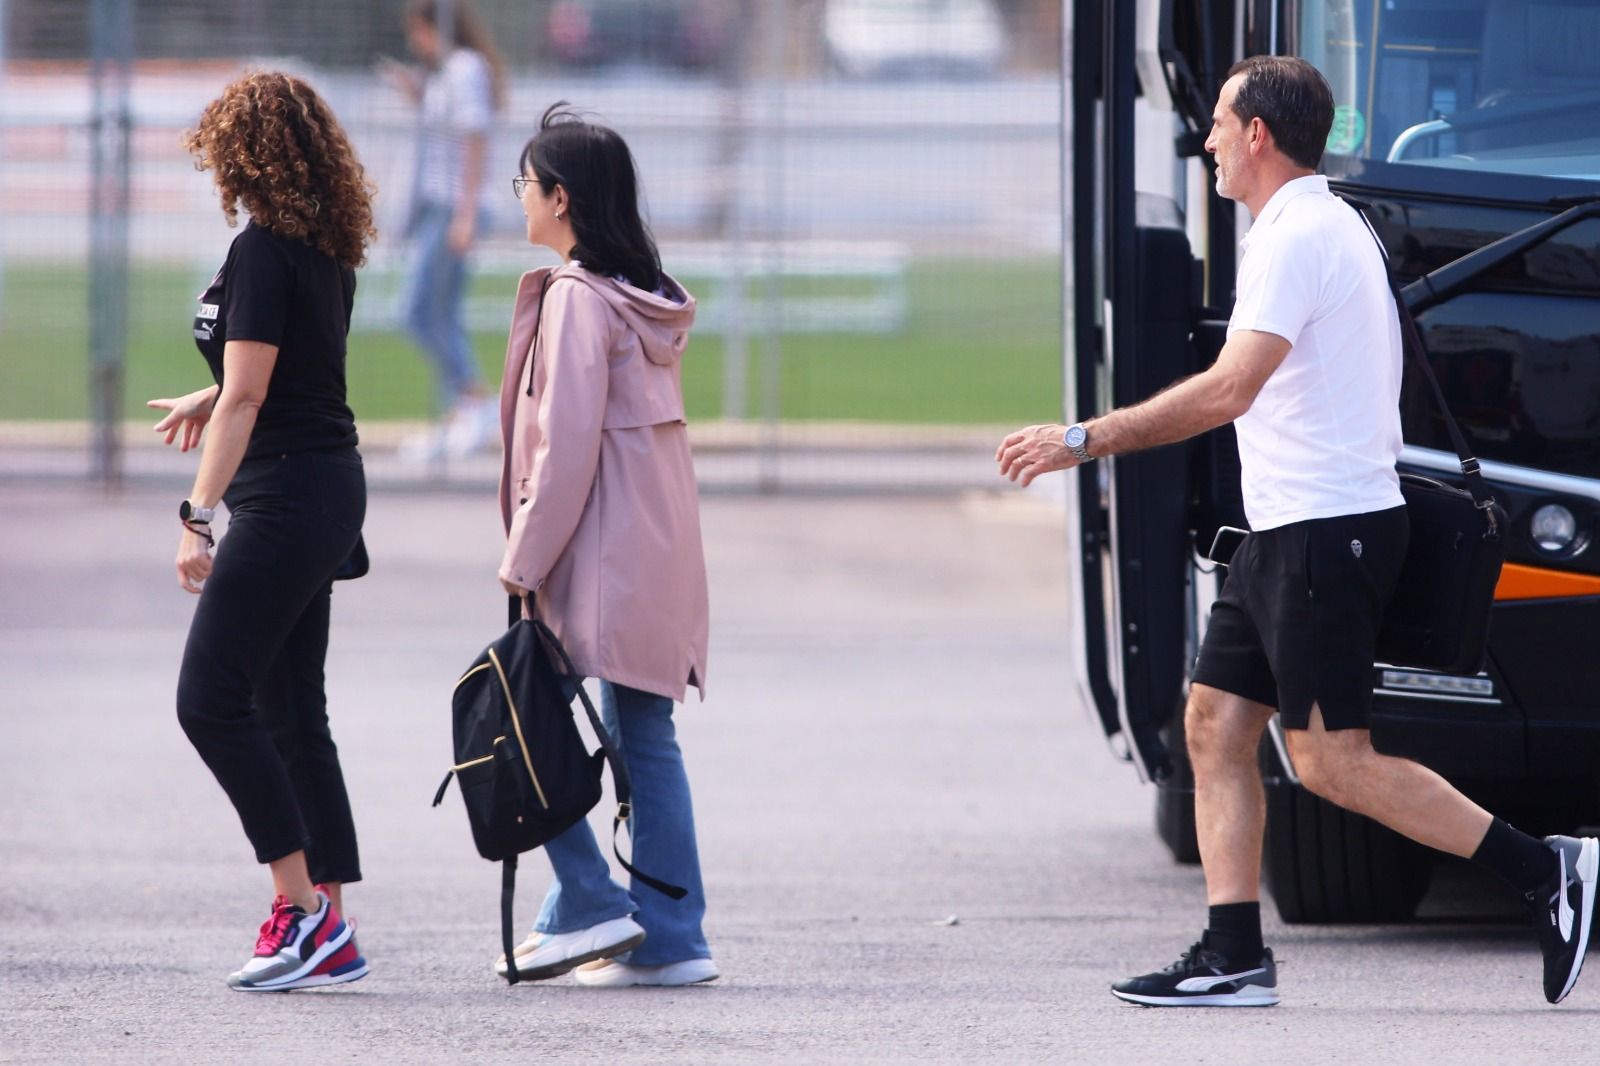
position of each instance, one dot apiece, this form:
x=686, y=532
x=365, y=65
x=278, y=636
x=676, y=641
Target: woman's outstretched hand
x=187, y=415
x=401, y=77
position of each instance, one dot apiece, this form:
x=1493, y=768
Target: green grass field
x=982, y=345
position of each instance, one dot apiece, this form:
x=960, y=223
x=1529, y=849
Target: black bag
x=357, y=564
x=1438, y=618
x=525, y=773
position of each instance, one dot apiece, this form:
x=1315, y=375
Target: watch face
x=185, y=510
x=1076, y=436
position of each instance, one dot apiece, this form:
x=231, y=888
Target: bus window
x=1511, y=86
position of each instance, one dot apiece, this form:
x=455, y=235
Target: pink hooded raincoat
x=598, y=490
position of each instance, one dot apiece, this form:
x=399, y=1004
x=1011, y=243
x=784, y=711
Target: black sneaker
x=1203, y=978
x=1563, y=912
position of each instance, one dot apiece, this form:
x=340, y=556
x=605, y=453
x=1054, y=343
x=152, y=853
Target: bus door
x=1135, y=306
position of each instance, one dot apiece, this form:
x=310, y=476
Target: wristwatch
x=1076, y=438
x=200, y=516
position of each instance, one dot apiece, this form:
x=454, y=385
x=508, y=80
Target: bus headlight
x=1554, y=528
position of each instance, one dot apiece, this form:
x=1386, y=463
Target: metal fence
x=865, y=196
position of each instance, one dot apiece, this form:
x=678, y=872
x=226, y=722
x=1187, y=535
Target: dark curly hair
x=276, y=147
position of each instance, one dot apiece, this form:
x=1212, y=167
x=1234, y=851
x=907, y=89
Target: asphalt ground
x=916, y=844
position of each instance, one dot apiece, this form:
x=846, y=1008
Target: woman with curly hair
x=281, y=453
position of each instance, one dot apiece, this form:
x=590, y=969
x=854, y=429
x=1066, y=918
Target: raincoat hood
x=597, y=483
x=662, y=320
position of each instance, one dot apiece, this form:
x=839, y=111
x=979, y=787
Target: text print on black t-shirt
x=205, y=320
x=285, y=293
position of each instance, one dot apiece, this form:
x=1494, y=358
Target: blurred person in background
x=457, y=92
x=603, y=539
x=281, y=453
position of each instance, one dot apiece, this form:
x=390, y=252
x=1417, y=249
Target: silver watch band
x=1080, y=450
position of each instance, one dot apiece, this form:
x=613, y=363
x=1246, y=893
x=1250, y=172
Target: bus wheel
x=1324, y=864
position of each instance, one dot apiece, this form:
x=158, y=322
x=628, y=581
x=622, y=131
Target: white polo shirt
x=1323, y=435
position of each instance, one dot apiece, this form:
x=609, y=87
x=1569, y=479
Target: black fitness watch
x=189, y=514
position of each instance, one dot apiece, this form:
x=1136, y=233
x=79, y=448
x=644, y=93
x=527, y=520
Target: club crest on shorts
x=1355, y=548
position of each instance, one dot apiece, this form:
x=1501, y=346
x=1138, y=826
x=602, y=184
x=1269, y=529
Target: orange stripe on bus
x=1518, y=582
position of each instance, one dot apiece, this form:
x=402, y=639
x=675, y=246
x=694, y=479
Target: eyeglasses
x=518, y=184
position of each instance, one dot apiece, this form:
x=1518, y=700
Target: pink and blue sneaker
x=297, y=949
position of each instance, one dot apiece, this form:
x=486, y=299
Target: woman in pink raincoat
x=603, y=530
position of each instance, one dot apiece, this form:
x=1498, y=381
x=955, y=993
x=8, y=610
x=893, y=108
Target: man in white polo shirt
x=1310, y=377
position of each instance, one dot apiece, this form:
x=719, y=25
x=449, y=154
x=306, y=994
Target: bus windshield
x=1509, y=86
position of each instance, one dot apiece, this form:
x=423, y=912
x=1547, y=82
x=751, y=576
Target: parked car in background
x=679, y=34
x=914, y=38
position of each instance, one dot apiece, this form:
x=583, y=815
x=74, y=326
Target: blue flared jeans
x=434, y=298
x=662, y=831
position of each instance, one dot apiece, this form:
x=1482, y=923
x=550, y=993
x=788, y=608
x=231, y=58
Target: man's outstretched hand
x=1027, y=453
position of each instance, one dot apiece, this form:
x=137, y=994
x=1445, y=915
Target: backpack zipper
x=460, y=766
x=469, y=673
x=516, y=722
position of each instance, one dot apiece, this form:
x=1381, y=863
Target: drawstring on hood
x=538, y=317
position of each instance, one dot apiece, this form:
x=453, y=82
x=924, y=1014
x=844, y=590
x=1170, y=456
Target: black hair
x=594, y=165
x=1294, y=100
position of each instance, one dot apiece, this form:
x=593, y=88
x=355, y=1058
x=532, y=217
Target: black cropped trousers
x=250, y=692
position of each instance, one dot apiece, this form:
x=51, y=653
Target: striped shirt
x=457, y=101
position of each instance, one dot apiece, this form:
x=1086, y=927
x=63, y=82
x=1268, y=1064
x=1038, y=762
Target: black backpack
x=525, y=773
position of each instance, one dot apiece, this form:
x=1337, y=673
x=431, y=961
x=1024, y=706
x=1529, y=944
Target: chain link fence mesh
x=864, y=194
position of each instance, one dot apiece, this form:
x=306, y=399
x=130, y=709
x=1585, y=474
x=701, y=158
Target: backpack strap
x=1411, y=341
x=619, y=772
x=508, y=889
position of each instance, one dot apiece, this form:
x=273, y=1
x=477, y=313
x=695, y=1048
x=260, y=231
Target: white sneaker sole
x=1249, y=996
x=1588, y=870
x=314, y=981
x=572, y=962
x=673, y=975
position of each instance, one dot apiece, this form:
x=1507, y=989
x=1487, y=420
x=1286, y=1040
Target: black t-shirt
x=284, y=292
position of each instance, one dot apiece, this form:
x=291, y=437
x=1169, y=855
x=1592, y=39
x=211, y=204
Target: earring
x=558, y=216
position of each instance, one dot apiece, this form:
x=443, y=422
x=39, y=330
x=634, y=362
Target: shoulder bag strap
x=619, y=772
x=1411, y=341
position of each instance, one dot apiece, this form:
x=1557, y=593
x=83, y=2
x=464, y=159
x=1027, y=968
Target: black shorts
x=1297, y=621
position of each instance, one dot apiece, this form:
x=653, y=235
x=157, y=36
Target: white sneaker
x=609, y=973
x=473, y=425
x=545, y=955
x=423, y=449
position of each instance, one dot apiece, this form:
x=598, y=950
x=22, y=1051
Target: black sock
x=1233, y=931
x=1521, y=861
